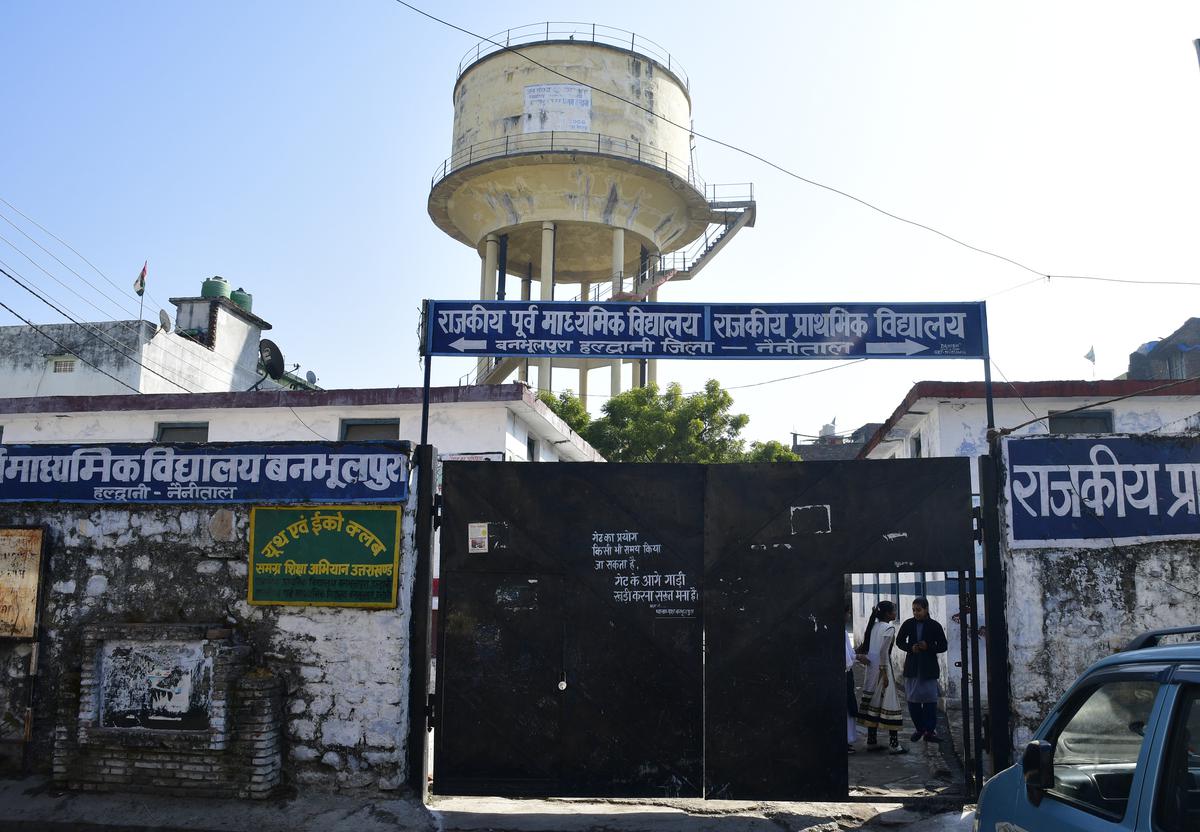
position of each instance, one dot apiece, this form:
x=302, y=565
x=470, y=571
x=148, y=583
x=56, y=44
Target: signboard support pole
x=994, y=589
x=425, y=402
x=426, y=353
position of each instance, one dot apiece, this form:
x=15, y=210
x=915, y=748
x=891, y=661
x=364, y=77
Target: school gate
x=667, y=630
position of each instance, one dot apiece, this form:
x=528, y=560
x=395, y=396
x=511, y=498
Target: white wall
x=458, y=428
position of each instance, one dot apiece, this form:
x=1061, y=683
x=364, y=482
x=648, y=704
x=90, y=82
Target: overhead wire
x=123, y=349
x=70, y=314
x=200, y=368
x=70, y=248
x=66, y=350
x=1090, y=405
x=691, y=131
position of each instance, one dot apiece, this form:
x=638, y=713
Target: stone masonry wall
x=344, y=671
x=1068, y=608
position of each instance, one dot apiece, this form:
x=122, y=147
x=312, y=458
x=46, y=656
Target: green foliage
x=644, y=425
x=568, y=407
x=771, y=451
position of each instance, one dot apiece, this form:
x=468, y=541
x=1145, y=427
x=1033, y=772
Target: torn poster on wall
x=20, y=574
x=162, y=685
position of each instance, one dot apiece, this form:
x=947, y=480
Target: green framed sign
x=325, y=556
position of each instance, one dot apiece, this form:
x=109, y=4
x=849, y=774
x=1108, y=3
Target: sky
x=289, y=147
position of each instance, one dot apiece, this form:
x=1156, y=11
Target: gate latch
x=562, y=681
x=430, y=711
x=438, y=504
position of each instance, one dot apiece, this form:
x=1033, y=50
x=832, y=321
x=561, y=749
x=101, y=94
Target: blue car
x=1120, y=750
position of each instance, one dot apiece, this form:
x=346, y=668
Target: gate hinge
x=430, y=711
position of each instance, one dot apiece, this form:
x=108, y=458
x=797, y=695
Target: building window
x=354, y=430
x=64, y=365
x=1082, y=421
x=181, y=432
x=916, y=446
x=531, y=449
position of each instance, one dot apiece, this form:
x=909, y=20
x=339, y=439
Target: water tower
x=573, y=167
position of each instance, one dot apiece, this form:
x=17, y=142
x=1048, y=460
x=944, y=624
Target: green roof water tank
x=215, y=287
x=242, y=298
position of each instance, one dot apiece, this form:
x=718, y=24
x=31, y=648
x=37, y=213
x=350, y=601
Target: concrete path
x=30, y=804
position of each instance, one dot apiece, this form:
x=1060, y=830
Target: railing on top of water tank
x=581, y=32
x=564, y=141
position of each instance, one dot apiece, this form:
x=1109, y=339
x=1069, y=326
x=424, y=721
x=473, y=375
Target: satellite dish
x=271, y=358
x=310, y=377
x=164, y=320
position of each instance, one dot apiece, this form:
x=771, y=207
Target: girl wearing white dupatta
x=880, y=706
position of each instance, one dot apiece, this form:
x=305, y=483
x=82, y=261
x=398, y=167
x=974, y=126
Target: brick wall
x=238, y=754
x=342, y=673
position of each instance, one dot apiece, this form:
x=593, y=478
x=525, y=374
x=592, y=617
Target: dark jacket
x=922, y=665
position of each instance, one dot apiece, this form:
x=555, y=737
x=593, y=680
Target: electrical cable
x=93, y=286
x=65, y=348
x=116, y=344
x=735, y=148
x=200, y=368
x=1176, y=383
x=73, y=316
x=307, y=425
x=73, y=251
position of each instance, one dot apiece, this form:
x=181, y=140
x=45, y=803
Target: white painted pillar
x=487, y=291
x=618, y=275
x=547, y=293
x=491, y=256
x=523, y=368
x=652, y=364
x=585, y=291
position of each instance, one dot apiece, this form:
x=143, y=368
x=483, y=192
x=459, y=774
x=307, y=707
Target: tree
x=644, y=425
x=771, y=451
x=568, y=407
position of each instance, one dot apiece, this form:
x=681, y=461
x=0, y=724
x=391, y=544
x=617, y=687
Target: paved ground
x=30, y=804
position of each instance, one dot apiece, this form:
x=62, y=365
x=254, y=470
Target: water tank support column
x=652, y=364
x=526, y=283
x=502, y=267
x=585, y=291
x=618, y=278
x=487, y=291
x=547, y=293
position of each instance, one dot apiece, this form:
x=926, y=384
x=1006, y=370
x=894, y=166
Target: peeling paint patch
x=810, y=519
x=892, y=537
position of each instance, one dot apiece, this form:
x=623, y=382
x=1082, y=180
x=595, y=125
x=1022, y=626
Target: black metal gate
x=667, y=630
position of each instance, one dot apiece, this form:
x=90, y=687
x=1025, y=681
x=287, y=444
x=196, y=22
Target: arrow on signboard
x=905, y=347
x=462, y=345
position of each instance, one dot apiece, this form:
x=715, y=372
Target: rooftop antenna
x=164, y=320
x=271, y=358
x=310, y=377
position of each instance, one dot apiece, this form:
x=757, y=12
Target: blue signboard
x=686, y=330
x=244, y=472
x=1102, y=491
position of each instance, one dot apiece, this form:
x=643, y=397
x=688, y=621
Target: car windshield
x=1109, y=727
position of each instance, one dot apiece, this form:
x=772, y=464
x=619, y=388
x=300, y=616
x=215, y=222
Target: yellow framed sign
x=20, y=580
x=326, y=556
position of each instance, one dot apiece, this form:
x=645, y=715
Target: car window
x=1178, y=802
x=1096, y=749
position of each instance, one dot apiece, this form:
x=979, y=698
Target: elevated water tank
x=532, y=147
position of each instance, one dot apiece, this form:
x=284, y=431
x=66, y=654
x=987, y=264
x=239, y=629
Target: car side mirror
x=1037, y=764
